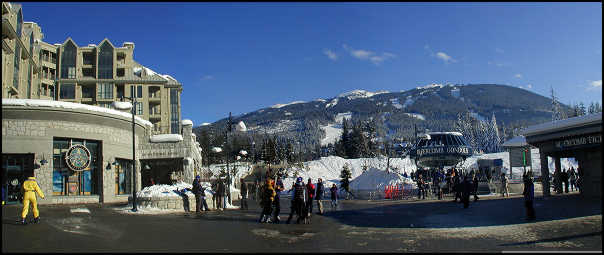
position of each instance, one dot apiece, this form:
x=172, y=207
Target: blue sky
x=240, y=57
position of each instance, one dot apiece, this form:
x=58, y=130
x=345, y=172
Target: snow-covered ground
x=332, y=134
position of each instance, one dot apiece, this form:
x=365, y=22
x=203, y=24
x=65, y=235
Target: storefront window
x=67, y=182
x=123, y=177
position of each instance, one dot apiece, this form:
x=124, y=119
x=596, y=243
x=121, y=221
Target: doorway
x=15, y=170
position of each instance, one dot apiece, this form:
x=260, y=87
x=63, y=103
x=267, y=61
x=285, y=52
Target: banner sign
x=442, y=150
x=578, y=141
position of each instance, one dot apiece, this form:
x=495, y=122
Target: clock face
x=78, y=157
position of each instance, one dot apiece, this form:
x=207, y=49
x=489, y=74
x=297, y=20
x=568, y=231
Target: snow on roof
x=92, y=45
x=149, y=71
x=282, y=105
x=122, y=105
x=187, y=122
x=517, y=141
x=69, y=105
x=165, y=138
x=168, y=77
x=241, y=126
x=563, y=124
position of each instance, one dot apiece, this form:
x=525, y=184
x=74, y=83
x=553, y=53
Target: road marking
x=79, y=210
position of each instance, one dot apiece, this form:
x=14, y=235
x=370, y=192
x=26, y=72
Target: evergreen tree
x=581, y=109
x=346, y=175
x=557, y=113
x=495, y=138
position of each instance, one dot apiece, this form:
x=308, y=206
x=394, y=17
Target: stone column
x=544, y=174
x=138, y=175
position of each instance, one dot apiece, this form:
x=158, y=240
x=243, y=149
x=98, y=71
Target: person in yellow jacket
x=268, y=195
x=30, y=188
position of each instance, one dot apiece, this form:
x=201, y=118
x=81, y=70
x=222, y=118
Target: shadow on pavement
x=557, y=239
x=447, y=214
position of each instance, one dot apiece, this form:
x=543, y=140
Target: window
x=120, y=91
x=139, y=91
x=105, y=90
x=139, y=108
x=120, y=72
x=88, y=91
x=175, y=115
x=123, y=177
x=67, y=91
x=19, y=23
x=106, y=61
x=155, y=109
x=51, y=92
x=30, y=73
x=66, y=182
x=16, y=65
x=68, y=61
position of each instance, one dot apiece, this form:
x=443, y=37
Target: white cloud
x=369, y=55
x=499, y=50
x=207, y=77
x=596, y=84
x=330, y=54
x=518, y=76
x=445, y=57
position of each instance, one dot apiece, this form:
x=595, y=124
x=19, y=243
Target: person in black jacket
x=467, y=188
x=457, y=187
x=243, y=195
x=319, y=195
x=475, y=187
x=299, y=200
x=200, y=198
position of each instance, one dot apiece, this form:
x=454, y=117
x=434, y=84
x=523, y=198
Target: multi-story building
x=56, y=123
x=93, y=74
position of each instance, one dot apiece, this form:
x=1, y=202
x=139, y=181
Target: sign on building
x=520, y=156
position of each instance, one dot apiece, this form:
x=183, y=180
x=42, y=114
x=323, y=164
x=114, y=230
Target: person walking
x=278, y=186
x=268, y=195
x=334, y=196
x=311, y=195
x=475, y=187
x=573, y=179
x=437, y=183
x=457, y=187
x=220, y=192
x=319, y=195
x=466, y=190
x=504, y=186
x=244, y=194
x=199, y=192
x=29, y=189
x=421, y=192
x=565, y=178
x=529, y=195
x=299, y=200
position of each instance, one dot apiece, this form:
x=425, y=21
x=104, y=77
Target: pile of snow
x=376, y=179
x=164, y=190
x=69, y=105
x=282, y=105
x=166, y=138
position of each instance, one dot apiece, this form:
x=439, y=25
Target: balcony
x=155, y=116
x=155, y=97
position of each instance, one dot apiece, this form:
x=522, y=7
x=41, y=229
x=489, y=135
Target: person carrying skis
x=29, y=189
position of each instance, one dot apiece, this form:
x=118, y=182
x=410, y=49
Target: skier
x=319, y=195
x=278, y=186
x=268, y=195
x=29, y=189
x=334, y=196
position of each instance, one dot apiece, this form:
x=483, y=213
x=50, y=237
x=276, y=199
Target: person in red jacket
x=311, y=195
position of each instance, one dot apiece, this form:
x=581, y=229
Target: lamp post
x=133, y=107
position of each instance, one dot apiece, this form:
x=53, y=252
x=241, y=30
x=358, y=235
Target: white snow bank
x=69, y=105
x=163, y=190
x=187, y=122
x=164, y=138
x=375, y=179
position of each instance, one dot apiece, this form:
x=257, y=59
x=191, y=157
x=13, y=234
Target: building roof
x=518, y=141
x=549, y=127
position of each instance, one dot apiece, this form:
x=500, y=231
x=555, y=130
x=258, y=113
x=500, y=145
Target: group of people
x=303, y=195
x=565, y=178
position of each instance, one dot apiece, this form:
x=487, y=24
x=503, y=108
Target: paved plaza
x=564, y=223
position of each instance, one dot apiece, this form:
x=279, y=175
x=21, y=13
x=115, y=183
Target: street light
x=122, y=106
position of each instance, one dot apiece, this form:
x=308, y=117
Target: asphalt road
x=564, y=222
